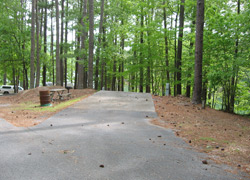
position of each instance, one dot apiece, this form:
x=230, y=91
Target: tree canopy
x=138, y=46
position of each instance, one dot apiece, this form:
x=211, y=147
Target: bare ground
x=23, y=109
x=225, y=137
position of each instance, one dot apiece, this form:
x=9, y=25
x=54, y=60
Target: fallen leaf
x=204, y=162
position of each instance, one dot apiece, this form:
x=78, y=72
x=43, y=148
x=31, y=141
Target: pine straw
x=23, y=109
x=225, y=137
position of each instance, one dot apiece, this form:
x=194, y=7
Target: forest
x=130, y=45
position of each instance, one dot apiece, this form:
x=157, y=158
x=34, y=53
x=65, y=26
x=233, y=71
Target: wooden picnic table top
x=56, y=90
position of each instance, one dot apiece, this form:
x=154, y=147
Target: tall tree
x=52, y=43
x=191, y=45
x=166, y=42
x=23, y=27
x=197, y=92
x=113, y=85
x=45, y=42
x=91, y=43
x=103, y=63
x=61, y=43
x=66, y=43
x=141, y=50
x=37, y=47
x=175, y=51
x=122, y=44
x=179, y=51
x=234, y=79
x=99, y=45
x=58, y=74
x=83, y=38
x=32, y=56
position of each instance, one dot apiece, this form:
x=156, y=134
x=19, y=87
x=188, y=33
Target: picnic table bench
x=58, y=94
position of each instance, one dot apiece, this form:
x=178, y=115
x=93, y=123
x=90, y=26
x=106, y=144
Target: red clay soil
x=14, y=107
x=225, y=137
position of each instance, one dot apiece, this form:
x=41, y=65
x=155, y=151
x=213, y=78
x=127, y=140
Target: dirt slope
x=23, y=109
x=226, y=137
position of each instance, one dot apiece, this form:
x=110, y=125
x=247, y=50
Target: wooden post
x=203, y=104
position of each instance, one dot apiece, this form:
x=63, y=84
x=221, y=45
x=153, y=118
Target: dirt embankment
x=226, y=137
x=23, y=109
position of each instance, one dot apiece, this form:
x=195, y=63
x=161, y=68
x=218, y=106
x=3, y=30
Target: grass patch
x=245, y=128
x=207, y=139
x=36, y=107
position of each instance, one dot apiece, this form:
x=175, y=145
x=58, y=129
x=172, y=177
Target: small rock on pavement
x=123, y=123
x=204, y=162
x=51, y=125
x=101, y=166
x=29, y=154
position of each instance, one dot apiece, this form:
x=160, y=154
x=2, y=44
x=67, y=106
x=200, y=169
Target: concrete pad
x=110, y=129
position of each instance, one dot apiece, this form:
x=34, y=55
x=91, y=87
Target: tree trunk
x=113, y=83
x=77, y=62
x=166, y=43
x=179, y=51
x=58, y=74
x=141, y=50
x=4, y=78
x=133, y=76
x=23, y=48
x=122, y=44
x=52, y=45
x=149, y=58
x=81, y=66
x=66, y=45
x=99, y=46
x=234, y=78
x=37, y=48
x=197, y=92
x=81, y=47
x=175, y=54
x=85, y=72
x=91, y=43
x=32, y=55
x=61, y=44
x=103, y=70
x=14, y=77
x=45, y=43
x=119, y=76
x=188, y=87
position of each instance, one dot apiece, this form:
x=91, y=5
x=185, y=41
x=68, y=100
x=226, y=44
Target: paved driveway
x=108, y=129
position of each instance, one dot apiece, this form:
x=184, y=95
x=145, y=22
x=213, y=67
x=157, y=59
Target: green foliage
x=223, y=58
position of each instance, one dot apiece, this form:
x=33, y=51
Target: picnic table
x=58, y=94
